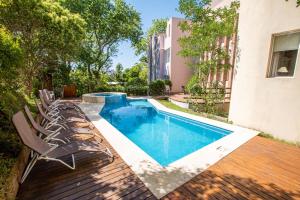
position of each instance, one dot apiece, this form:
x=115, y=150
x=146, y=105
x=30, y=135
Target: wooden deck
x=260, y=169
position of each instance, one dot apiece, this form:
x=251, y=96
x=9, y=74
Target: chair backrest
x=34, y=124
x=28, y=137
x=46, y=96
x=44, y=115
x=45, y=106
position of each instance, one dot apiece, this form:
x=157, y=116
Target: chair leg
x=73, y=166
x=29, y=168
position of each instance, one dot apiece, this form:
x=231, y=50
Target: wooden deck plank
x=259, y=169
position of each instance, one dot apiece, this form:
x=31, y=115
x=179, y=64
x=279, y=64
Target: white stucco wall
x=271, y=105
x=220, y=3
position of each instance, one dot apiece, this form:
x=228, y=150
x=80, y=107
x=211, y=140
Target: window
x=284, y=55
x=167, y=55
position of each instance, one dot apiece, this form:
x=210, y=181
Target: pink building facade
x=164, y=61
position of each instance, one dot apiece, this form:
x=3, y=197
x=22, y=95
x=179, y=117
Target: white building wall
x=271, y=105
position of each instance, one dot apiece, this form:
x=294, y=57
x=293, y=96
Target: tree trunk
x=47, y=81
x=90, y=78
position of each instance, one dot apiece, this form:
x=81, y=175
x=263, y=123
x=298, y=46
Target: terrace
x=259, y=169
x=100, y=99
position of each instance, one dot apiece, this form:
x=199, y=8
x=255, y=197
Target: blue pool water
x=164, y=136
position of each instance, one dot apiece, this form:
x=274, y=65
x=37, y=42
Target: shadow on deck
x=260, y=169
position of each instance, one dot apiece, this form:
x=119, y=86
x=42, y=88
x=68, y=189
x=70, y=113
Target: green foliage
x=168, y=83
x=137, y=90
x=118, y=75
x=108, y=23
x=130, y=90
x=49, y=34
x=210, y=25
x=81, y=79
x=190, y=111
x=10, y=60
x=12, y=98
x=158, y=26
x=10, y=51
x=206, y=99
x=157, y=88
x=269, y=136
x=136, y=75
x=6, y=165
x=61, y=77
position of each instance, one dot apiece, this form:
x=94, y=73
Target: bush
x=193, y=87
x=107, y=88
x=168, y=83
x=10, y=103
x=118, y=88
x=157, y=87
x=6, y=165
x=137, y=90
x=130, y=90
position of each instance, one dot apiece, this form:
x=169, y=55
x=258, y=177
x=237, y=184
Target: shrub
x=107, y=88
x=117, y=88
x=137, y=90
x=10, y=103
x=6, y=165
x=157, y=87
x=211, y=96
x=130, y=90
x=168, y=83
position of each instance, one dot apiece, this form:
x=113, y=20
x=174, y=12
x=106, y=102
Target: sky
x=149, y=10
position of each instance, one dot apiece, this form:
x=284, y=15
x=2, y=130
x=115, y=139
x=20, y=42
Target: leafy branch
x=206, y=28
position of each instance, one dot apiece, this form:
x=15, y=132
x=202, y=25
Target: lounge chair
x=54, y=135
x=49, y=122
x=51, y=152
x=44, y=96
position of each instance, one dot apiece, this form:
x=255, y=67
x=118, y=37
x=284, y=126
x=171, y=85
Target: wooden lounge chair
x=51, y=152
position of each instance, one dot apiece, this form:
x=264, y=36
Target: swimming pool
x=164, y=136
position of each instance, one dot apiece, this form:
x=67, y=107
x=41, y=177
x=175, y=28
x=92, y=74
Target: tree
x=136, y=75
x=49, y=34
x=108, y=23
x=11, y=56
x=118, y=75
x=206, y=26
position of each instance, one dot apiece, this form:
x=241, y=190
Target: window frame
x=271, y=53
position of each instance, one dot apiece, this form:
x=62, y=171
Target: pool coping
x=162, y=180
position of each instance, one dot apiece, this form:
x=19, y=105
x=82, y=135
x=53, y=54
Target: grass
x=171, y=105
x=175, y=107
x=271, y=137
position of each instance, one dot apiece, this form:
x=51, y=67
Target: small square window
x=284, y=55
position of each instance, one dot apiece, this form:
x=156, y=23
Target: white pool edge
x=162, y=180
